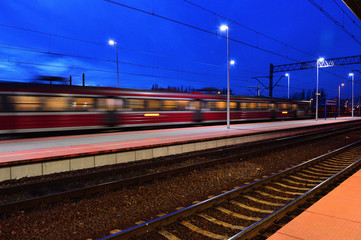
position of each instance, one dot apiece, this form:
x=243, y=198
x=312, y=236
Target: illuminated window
x=183, y=105
x=195, y=105
x=153, y=105
x=109, y=104
x=262, y=106
x=284, y=106
x=55, y=104
x=243, y=106
x=252, y=106
x=294, y=106
x=27, y=103
x=82, y=104
x=135, y=104
x=221, y=105
x=169, y=105
x=233, y=105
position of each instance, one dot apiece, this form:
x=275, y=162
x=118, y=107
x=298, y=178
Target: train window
x=82, y=104
x=284, y=106
x=55, y=104
x=27, y=103
x=233, y=105
x=195, y=105
x=221, y=105
x=169, y=105
x=101, y=104
x=183, y=105
x=294, y=106
x=272, y=106
x=109, y=104
x=135, y=104
x=153, y=104
x=243, y=106
x=262, y=106
x=252, y=106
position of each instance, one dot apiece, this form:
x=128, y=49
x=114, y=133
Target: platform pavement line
x=224, y=224
x=287, y=192
x=168, y=235
x=304, y=179
x=250, y=208
x=203, y=232
x=274, y=196
x=237, y=215
x=263, y=201
x=294, y=182
x=292, y=187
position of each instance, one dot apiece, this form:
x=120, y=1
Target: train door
x=196, y=106
x=7, y=117
x=272, y=108
x=113, y=108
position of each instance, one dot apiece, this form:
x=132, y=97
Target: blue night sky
x=63, y=38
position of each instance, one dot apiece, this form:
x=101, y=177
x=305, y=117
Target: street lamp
x=339, y=97
x=114, y=43
x=226, y=28
x=288, y=89
x=317, y=66
x=352, y=75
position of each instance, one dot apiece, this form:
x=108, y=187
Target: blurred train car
x=28, y=107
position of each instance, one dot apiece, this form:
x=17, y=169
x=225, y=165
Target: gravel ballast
x=95, y=217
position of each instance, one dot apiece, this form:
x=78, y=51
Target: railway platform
x=41, y=156
x=336, y=216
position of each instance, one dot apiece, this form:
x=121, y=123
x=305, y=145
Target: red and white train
x=28, y=107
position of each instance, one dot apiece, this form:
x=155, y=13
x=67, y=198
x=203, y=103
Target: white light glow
x=232, y=62
x=111, y=42
x=286, y=74
x=350, y=74
x=224, y=27
x=320, y=60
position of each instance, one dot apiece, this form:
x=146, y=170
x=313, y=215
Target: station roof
x=355, y=6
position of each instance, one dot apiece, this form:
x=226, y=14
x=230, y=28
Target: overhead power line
x=348, y=15
x=198, y=28
x=20, y=48
x=338, y=24
x=248, y=28
x=110, y=71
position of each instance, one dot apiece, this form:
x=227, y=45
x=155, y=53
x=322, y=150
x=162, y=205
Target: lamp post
x=288, y=88
x=226, y=28
x=339, y=97
x=317, y=66
x=113, y=43
x=352, y=76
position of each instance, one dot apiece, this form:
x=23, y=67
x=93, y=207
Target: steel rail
x=150, y=226
x=118, y=184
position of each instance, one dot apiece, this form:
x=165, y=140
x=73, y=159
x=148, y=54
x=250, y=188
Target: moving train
x=29, y=107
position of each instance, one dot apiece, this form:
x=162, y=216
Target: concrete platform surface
x=13, y=151
x=337, y=216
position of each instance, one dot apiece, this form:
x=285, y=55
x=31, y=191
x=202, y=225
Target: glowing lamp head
x=111, y=42
x=320, y=60
x=342, y=84
x=224, y=27
x=286, y=74
x=232, y=62
x=350, y=74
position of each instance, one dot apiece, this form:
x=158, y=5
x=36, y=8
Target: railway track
x=249, y=212
x=25, y=196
